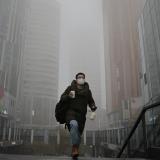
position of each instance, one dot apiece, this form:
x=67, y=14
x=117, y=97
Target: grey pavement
x=22, y=157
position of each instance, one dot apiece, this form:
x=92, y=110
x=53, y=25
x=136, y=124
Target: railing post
x=85, y=137
x=140, y=117
x=32, y=136
x=129, y=149
x=144, y=133
x=58, y=136
x=129, y=145
x=4, y=130
x=119, y=138
x=94, y=143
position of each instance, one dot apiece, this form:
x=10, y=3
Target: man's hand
x=72, y=94
x=93, y=108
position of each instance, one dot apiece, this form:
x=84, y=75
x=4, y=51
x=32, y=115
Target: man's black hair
x=80, y=73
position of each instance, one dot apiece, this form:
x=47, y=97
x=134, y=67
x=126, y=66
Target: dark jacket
x=78, y=106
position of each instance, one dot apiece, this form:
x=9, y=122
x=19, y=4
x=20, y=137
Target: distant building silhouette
x=29, y=50
x=149, y=33
x=121, y=54
x=11, y=25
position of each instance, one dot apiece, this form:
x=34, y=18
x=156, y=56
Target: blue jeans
x=74, y=133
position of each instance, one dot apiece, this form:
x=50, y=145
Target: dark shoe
x=75, y=152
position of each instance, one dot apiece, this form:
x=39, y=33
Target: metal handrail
x=140, y=117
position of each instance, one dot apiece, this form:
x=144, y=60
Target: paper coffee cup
x=73, y=94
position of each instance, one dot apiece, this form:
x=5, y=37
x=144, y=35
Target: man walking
x=78, y=95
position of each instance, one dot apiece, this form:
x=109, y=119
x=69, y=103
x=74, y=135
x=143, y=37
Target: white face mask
x=80, y=81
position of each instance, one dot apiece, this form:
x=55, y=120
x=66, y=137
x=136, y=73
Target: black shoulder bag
x=60, y=111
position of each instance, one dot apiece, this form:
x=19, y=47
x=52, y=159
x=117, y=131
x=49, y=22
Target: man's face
x=80, y=79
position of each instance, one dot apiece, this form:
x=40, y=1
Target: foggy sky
x=81, y=47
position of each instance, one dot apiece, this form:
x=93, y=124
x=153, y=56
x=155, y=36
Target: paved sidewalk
x=22, y=157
